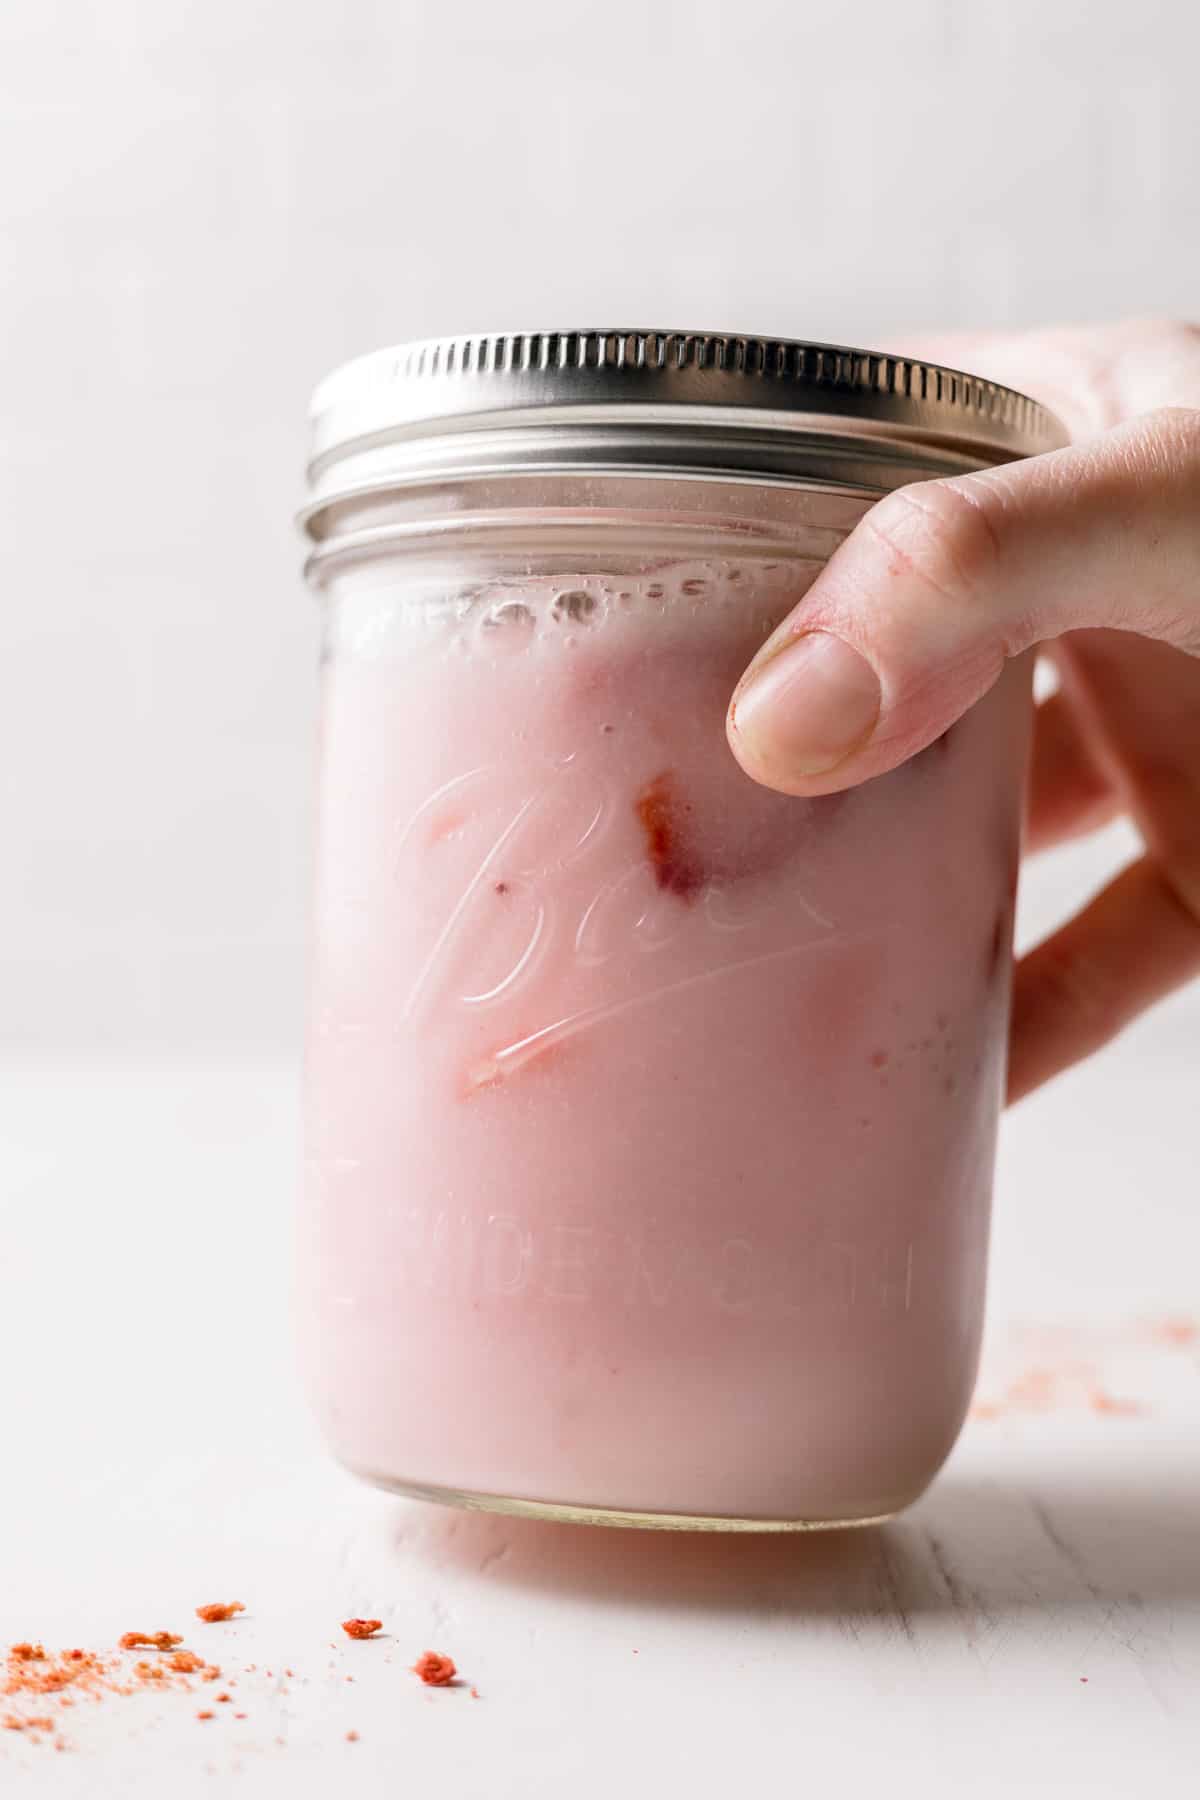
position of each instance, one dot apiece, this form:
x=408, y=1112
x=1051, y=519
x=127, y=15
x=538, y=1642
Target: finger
x=1140, y=706
x=1068, y=794
x=913, y=618
x=1131, y=946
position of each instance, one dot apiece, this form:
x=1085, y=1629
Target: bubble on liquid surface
x=506, y=625
x=694, y=587
x=576, y=607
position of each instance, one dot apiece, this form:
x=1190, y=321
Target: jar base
x=566, y=1514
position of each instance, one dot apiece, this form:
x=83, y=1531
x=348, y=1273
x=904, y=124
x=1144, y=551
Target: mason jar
x=650, y=1114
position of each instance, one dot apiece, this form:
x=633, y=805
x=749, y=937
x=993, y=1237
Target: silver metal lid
x=655, y=402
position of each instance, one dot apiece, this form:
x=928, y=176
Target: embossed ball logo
x=569, y=887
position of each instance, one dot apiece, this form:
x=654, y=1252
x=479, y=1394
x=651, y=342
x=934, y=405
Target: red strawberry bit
x=661, y=813
x=435, y=1669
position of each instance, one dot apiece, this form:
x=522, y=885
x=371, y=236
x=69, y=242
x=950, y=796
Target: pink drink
x=652, y=1114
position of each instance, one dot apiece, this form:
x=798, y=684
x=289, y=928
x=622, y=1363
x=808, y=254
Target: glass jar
x=651, y=1114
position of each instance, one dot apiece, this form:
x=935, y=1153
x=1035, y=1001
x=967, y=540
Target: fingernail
x=807, y=708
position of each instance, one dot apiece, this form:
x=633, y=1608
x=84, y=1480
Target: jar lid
x=656, y=402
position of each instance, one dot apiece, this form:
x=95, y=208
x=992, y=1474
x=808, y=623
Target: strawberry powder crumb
x=28, y=1653
x=1103, y=1402
x=361, y=1628
x=475, y=1694
x=153, y=1640
x=435, y=1669
x=206, y=1715
x=222, y=1698
x=218, y=1611
x=352, y=1737
x=1178, y=1332
x=89, y=1675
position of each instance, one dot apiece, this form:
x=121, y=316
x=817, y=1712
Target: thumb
x=912, y=619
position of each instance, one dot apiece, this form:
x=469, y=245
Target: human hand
x=1093, y=551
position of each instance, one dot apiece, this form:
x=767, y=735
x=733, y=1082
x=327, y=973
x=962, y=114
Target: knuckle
x=944, y=534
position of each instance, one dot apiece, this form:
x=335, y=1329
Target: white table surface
x=157, y=1455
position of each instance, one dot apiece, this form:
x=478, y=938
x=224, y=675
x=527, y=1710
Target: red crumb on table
x=217, y=1611
x=222, y=1698
x=1073, y=1386
x=1103, y=1402
x=30, y=1676
x=152, y=1640
x=1180, y=1333
x=206, y=1715
x=1036, y=1390
x=435, y=1669
x=475, y=1694
x=361, y=1628
x=352, y=1737
x=661, y=813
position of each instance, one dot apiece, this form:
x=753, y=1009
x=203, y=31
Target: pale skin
x=1091, y=553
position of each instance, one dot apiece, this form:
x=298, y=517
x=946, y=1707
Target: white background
x=204, y=206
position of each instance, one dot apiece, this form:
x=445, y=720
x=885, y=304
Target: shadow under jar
x=650, y=1114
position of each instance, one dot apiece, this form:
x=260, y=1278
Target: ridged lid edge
x=430, y=379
